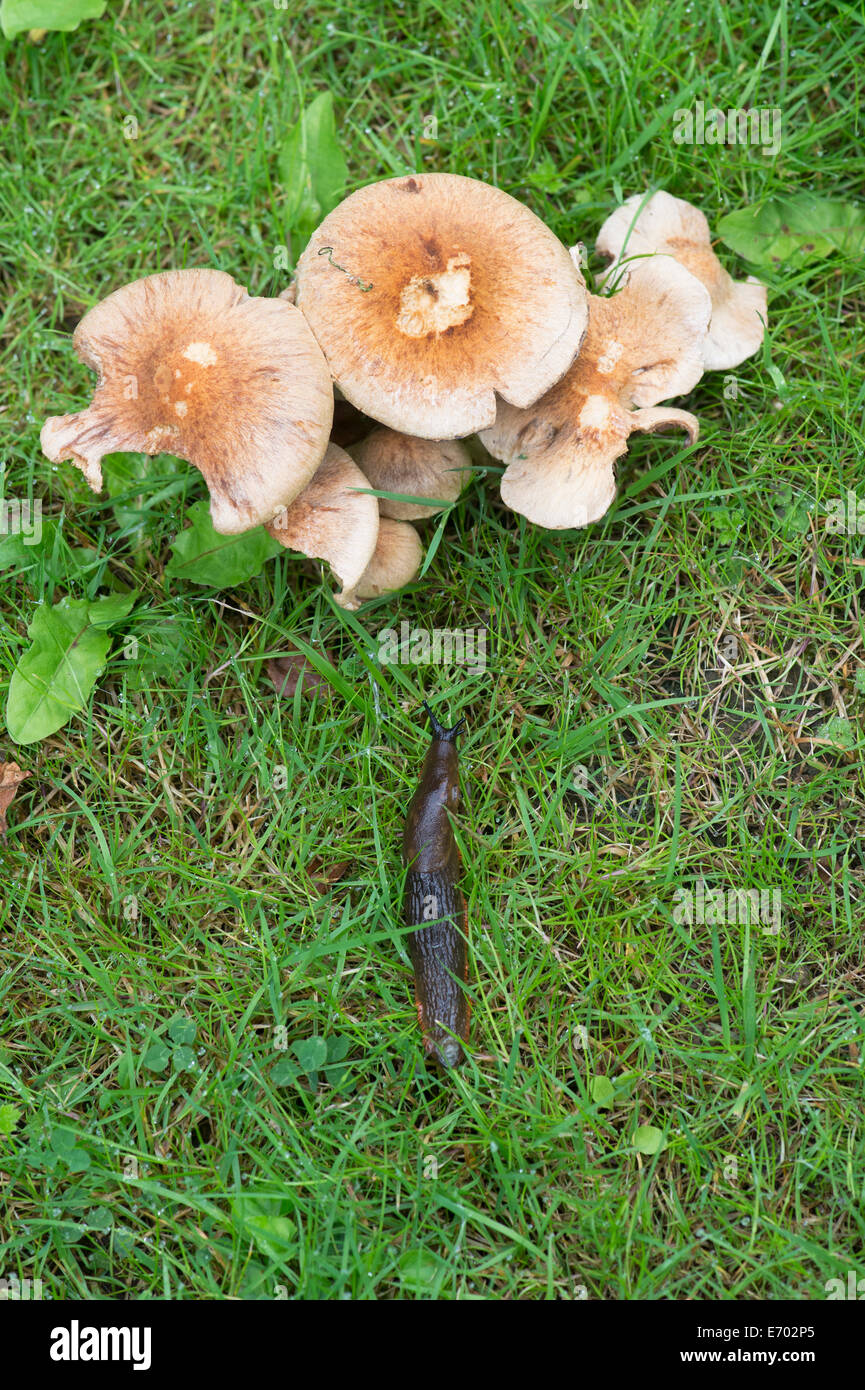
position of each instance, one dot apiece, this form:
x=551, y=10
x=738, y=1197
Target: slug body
x=434, y=903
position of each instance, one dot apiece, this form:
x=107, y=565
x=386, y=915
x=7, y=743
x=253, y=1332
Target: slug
x=434, y=903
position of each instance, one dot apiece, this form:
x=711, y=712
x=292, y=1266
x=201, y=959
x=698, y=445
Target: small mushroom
x=436, y=468
x=642, y=345
x=190, y=364
x=333, y=519
x=430, y=294
x=396, y=562
x=671, y=226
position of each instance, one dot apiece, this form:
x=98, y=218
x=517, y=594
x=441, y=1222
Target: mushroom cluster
x=437, y=307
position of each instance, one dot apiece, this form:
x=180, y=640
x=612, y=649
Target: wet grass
x=208, y=1030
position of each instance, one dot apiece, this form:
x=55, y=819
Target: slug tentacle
x=439, y=732
x=434, y=903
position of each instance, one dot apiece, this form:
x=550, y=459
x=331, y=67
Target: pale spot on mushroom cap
x=609, y=357
x=177, y=373
x=595, y=414
x=153, y=439
x=438, y=301
x=202, y=353
x=180, y=408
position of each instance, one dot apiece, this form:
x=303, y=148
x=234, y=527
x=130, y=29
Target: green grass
x=192, y=848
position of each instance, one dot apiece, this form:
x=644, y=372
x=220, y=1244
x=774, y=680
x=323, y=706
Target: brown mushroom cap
x=395, y=462
x=642, y=344
x=647, y=339
x=674, y=227
x=189, y=364
x=430, y=294
x=332, y=520
x=396, y=562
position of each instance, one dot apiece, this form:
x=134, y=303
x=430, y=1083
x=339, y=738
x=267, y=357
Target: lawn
x=211, y=1079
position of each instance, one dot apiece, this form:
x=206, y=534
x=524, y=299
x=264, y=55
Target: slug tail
x=444, y=1051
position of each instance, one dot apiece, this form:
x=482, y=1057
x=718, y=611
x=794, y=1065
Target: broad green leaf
x=419, y=1269
x=156, y=1057
x=312, y=168
x=274, y=1235
x=85, y=558
x=20, y=16
x=201, y=555
x=183, y=1059
x=105, y=612
x=839, y=732
x=337, y=1048
x=792, y=230
x=285, y=1072
x=649, y=1140
x=603, y=1092
x=726, y=522
x=261, y=1219
x=63, y=1141
x=311, y=1053
x=54, y=677
x=181, y=1030
x=98, y=1219
x=69, y=1232
x=545, y=175
x=794, y=510
x=9, y=1117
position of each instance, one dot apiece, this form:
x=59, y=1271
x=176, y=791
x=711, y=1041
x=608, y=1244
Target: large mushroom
x=189, y=364
x=643, y=345
x=673, y=227
x=431, y=294
x=435, y=468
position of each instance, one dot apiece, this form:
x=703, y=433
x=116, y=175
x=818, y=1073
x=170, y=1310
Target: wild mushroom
x=395, y=462
x=430, y=294
x=642, y=346
x=189, y=364
x=673, y=227
x=395, y=563
x=333, y=519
